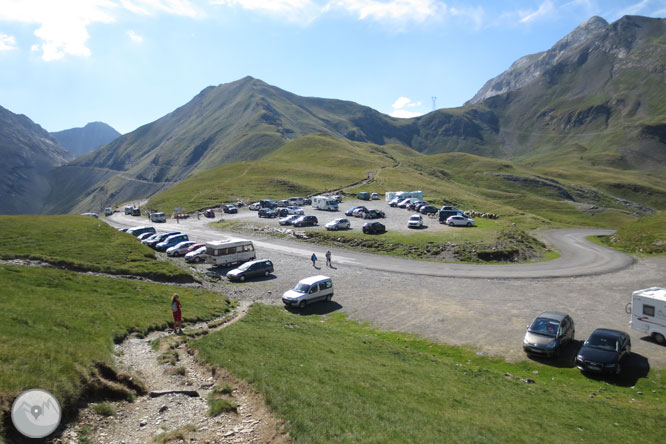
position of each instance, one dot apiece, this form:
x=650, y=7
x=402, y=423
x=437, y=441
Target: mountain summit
x=80, y=141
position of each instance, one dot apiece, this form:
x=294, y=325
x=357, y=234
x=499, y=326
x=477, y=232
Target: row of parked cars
x=448, y=215
x=603, y=352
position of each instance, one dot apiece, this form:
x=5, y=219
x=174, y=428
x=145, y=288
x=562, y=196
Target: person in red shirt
x=177, y=314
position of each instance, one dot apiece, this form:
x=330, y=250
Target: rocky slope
x=28, y=152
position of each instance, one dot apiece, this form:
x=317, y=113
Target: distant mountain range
x=596, y=99
x=80, y=141
x=28, y=153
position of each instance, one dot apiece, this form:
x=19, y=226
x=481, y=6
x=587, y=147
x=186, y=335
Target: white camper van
x=324, y=203
x=229, y=252
x=648, y=312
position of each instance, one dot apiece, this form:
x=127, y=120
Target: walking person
x=328, y=259
x=314, y=260
x=177, y=314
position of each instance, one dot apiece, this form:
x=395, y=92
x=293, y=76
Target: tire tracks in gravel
x=147, y=417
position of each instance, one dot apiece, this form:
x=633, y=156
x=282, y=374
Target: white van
x=308, y=290
x=229, y=252
x=296, y=201
x=648, y=312
x=324, y=203
x=157, y=217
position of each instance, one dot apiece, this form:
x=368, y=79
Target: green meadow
x=333, y=380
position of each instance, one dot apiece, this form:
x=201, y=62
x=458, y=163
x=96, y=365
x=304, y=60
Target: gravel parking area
x=395, y=220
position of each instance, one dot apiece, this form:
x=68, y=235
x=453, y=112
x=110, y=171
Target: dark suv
x=262, y=267
x=267, y=212
x=549, y=332
x=374, y=228
x=305, y=221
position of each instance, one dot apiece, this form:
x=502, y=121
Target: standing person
x=177, y=314
x=314, y=260
x=328, y=258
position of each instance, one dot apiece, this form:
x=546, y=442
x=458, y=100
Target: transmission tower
x=434, y=103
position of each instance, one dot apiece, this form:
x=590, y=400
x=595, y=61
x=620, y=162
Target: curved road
x=579, y=257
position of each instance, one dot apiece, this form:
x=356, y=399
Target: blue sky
x=128, y=62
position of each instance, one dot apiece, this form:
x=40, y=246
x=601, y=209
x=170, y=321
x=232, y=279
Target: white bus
x=228, y=252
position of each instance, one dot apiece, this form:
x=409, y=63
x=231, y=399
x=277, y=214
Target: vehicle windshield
x=245, y=266
x=302, y=288
x=545, y=327
x=602, y=343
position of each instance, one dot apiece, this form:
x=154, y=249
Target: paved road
x=478, y=305
x=579, y=257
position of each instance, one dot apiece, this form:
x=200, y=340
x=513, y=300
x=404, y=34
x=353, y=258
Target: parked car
x=416, y=204
x=171, y=241
x=373, y=214
x=292, y=209
x=195, y=247
x=305, y=221
x=405, y=202
x=230, y=209
x=374, y=228
x=307, y=201
x=428, y=209
x=289, y=219
x=157, y=238
x=395, y=201
x=196, y=256
x=337, y=198
x=136, y=231
x=268, y=203
x=352, y=209
x=308, y=290
x=90, y=214
x=145, y=235
x=254, y=206
x=267, y=212
x=374, y=196
x=282, y=212
x=180, y=249
x=415, y=221
x=262, y=267
x=338, y=224
x=604, y=352
x=209, y=213
x=460, y=221
x=548, y=334
x=108, y=211
x=363, y=195
x=283, y=203
x=359, y=212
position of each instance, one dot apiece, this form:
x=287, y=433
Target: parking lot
x=395, y=220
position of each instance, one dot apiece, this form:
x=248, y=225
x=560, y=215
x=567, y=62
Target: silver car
x=180, y=248
x=338, y=224
x=460, y=221
x=548, y=333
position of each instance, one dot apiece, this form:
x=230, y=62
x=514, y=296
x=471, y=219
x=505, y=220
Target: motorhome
x=390, y=195
x=228, y=252
x=648, y=312
x=324, y=203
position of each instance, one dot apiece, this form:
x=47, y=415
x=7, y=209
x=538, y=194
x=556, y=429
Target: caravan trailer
x=228, y=252
x=324, y=203
x=648, y=312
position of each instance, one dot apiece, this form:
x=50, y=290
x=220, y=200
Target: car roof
x=608, y=332
x=558, y=316
x=312, y=279
x=257, y=261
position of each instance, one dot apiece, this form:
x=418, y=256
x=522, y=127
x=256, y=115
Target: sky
x=65, y=63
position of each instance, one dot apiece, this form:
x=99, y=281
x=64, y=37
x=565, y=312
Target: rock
x=230, y=433
x=163, y=409
x=143, y=423
x=535, y=372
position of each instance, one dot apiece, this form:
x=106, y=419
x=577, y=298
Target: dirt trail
x=177, y=414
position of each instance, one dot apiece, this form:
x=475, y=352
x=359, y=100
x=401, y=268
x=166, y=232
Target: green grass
x=333, y=380
x=82, y=243
x=104, y=409
x=646, y=236
x=178, y=435
x=55, y=324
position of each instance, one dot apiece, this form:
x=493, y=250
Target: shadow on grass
x=566, y=358
x=634, y=367
x=316, y=308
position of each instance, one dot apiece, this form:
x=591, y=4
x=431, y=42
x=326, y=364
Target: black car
x=373, y=214
x=230, y=209
x=305, y=221
x=268, y=203
x=267, y=212
x=262, y=267
x=428, y=209
x=374, y=228
x=209, y=213
x=549, y=332
x=604, y=351
x=282, y=212
x=307, y=201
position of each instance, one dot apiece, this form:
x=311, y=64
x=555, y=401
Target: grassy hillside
x=82, y=243
x=527, y=196
x=55, y=325
x=645, y=236
x=333, y=380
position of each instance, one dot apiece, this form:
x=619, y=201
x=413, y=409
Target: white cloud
x=136, y=38
x=300, y=11
x=62, y=26
x=545, y=9
x=393, y=10
x=399, y=105
x=7, y=42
